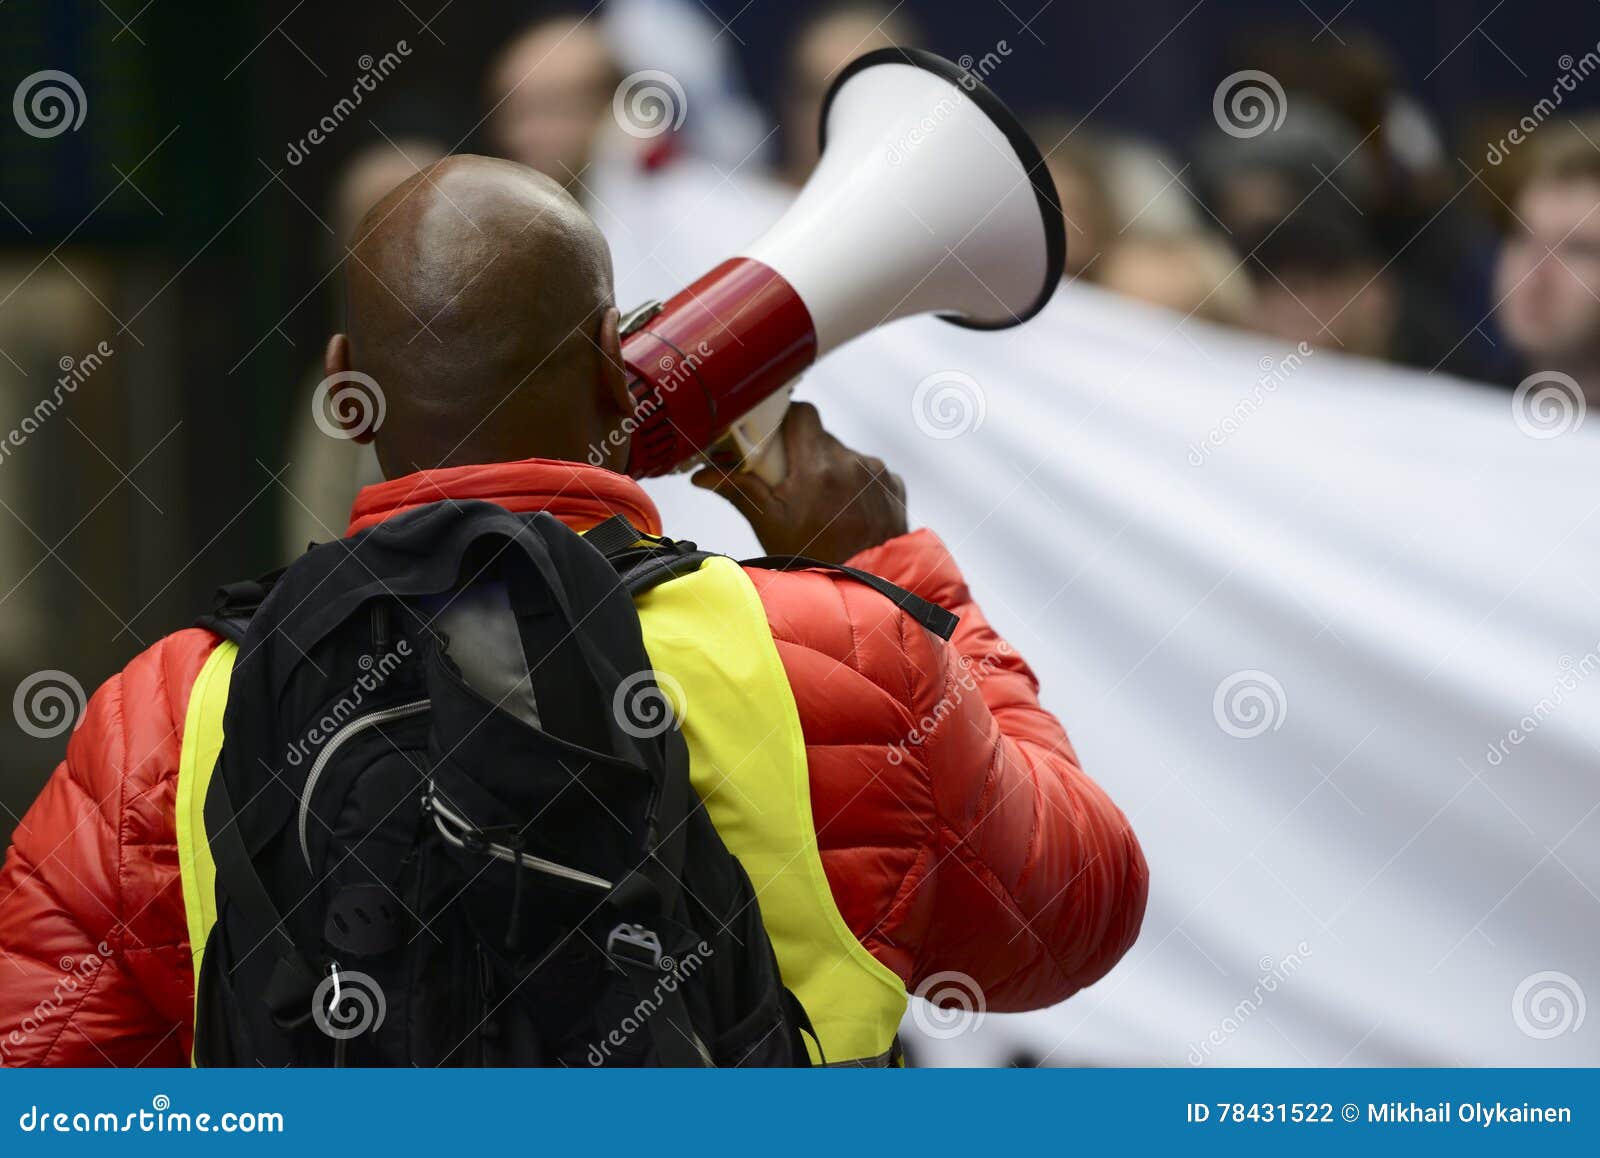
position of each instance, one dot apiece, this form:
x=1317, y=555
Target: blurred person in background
x=682, y=38
x=1547, y=279
x=1148, y=186
x=1195, y=274
x=1077, y=166
x=1111, y=184
x=558, y=101
x=824, y=43
x=1402, y=175
x=1321, y=279
x=549, y=94
x=1351, y=132
x=324, y=472
x=1249, y=183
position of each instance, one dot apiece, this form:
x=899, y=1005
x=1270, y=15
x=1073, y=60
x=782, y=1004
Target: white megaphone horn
x=929, y=197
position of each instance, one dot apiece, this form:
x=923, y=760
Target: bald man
x=945, y=830
x=479, y=298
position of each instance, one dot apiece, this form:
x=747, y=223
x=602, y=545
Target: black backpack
x=452, y=819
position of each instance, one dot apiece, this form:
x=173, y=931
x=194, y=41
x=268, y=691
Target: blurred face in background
x=1250, y=198
x=817, y=59
x=1353, y=310
x=550, y=93
x=1548, y=277
x=1188, y=274
x=1086, y=210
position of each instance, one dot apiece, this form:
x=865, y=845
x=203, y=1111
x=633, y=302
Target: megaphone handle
x=759, y=441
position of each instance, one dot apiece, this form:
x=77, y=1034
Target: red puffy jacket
x=983, y=849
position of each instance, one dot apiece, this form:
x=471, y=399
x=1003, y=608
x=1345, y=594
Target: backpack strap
x=614, y=536
x=661, y=559
x=645, y=896
x=655, y=568
x=293, y=982
x=939, y=620
x=635, y=950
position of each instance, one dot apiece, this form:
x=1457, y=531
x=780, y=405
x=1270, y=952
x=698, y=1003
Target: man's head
x=479, y=298
x=1548, y=274
x=548, y=93
x=1320, y=279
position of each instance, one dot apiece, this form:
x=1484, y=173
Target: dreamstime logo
x=952, y=1004
x=372, y=72
x=1548, y=404
x=649, y=103
x=160, y=1118
x=49, y=103
x=1248, y=703
x=375, y=672
x=349, y=1004
x=348, y=405
x=974, y=71
x=1274, y=373
x=649, y=703
x=1573, y=673
x=1248, y=103
x=972, y=674
x=1274, y=971
x=1548, y=1005
x=909, y=141
x=74, y=373
x=47, y=703
x=675, y=371
x=675, y=972
x=77, y=975
x=948, y=404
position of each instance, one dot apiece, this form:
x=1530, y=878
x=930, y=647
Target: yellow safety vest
x=707, y=634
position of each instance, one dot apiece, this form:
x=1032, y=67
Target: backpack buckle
x=635, y=944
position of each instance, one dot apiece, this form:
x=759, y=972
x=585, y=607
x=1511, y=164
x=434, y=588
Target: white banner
x=1329, y=632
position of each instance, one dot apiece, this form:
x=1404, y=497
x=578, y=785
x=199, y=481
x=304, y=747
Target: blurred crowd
x=1320, y=205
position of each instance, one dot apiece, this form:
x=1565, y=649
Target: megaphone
x=929, y=197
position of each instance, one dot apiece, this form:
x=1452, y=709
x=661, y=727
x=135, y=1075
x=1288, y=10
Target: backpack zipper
x=462, y=833
x=359, y=724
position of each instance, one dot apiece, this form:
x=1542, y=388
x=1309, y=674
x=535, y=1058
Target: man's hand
x=832, y=504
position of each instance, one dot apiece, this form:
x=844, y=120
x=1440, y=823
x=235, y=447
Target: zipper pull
x=340, y=1056
x=380, y=627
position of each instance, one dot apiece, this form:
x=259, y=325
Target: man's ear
x=615, y=397
x=612, y=402
x=355, y=420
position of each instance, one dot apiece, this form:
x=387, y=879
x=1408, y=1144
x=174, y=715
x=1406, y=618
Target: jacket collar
x=578, y=494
